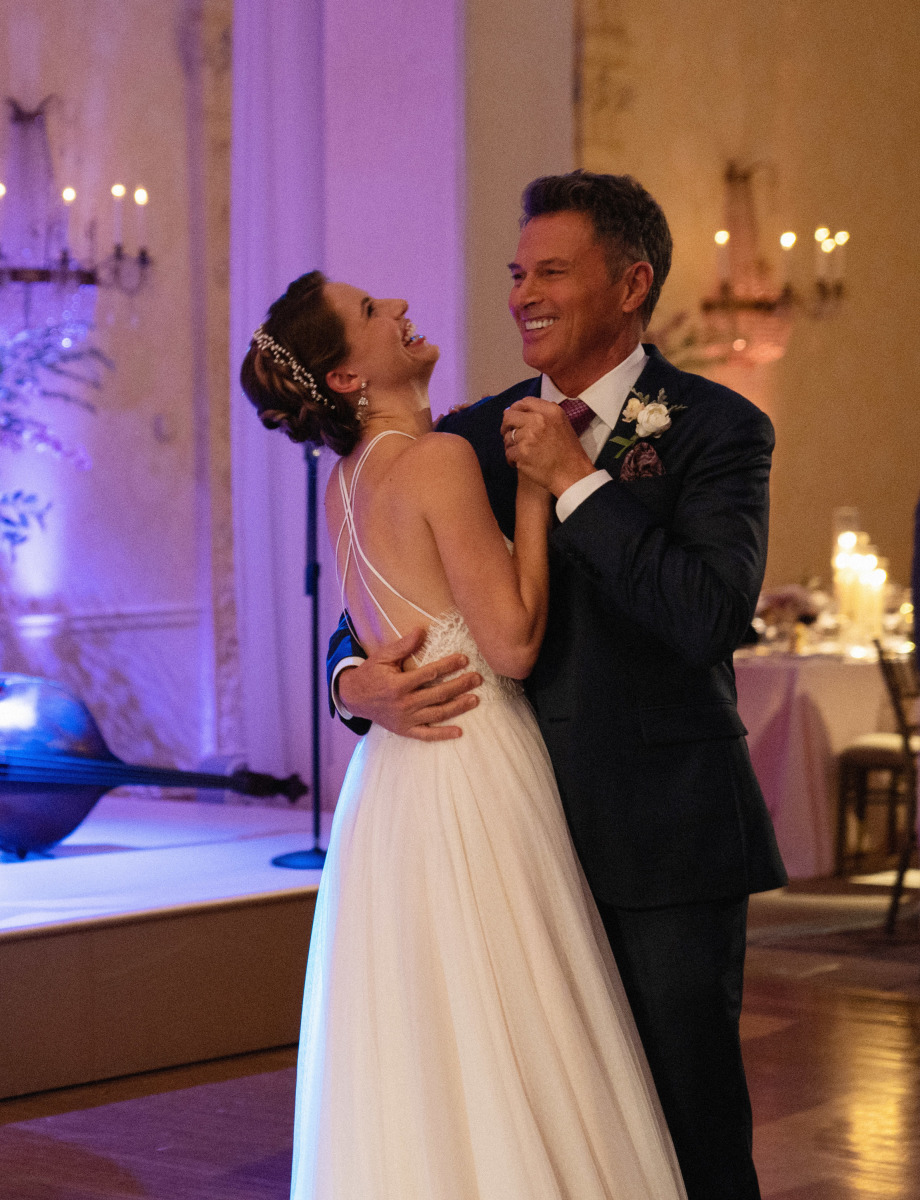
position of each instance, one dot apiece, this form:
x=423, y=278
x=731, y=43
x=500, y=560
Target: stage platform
x=159, y=933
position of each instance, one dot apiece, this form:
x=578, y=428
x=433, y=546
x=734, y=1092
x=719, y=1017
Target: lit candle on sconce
x=722, y=239
x=118, y=199
x=787, y=241
x=839, y=259
x=828, y=246
x=141, y=200
x=69, y=195
x=821, y=235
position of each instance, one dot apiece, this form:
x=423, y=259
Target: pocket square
x=642, y=462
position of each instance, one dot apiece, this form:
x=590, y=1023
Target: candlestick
x=839, y=259
x=141, y=200
x=787, y=241
x=724, y=268
x=69, y=195
x=820, y=256
x=118, y=199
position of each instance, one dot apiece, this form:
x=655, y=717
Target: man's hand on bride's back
x=411, y=703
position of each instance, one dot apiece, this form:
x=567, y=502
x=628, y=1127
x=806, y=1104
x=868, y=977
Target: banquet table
x=800, y=712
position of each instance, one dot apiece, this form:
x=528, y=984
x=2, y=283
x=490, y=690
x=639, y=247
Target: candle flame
x=118, y=190
x=828, y=245
x=822, y=233
x=722, y=237
x=2, y=189
x=787, y=241
x=842, y=237
x=68, y=195
x=140, y=196
x=846, y=540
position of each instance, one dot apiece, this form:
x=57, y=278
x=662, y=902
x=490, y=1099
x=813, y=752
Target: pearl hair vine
x=283, y=357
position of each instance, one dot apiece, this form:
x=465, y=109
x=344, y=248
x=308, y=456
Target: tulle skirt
x=465, y=1033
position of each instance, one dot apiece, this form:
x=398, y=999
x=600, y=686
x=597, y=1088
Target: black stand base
x=302, y=860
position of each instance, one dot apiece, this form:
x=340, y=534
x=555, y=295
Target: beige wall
x=518, y=124
x=828, y=93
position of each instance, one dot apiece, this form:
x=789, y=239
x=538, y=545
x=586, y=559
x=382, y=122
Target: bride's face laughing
x=384, y=346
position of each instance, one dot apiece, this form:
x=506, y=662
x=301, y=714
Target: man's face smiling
x=570, y=314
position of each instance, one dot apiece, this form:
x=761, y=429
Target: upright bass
x=54, y=766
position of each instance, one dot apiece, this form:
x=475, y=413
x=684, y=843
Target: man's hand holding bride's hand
x=409, y=703
x=541, y=443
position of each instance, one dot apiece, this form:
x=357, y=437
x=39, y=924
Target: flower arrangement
x=787, y=604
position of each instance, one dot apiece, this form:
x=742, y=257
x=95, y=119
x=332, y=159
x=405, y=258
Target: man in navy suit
x=656, y=563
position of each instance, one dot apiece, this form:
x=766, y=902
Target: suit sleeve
x=342, y=645
x=692, y=582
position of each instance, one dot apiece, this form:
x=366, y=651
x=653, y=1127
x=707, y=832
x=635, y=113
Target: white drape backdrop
x=276, y=234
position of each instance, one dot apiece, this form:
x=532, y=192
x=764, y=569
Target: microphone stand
x=311, y=860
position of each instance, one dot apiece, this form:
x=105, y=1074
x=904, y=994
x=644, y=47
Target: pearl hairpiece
x=283, y=357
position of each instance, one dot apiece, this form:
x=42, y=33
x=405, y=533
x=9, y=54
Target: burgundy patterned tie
x=578, y=413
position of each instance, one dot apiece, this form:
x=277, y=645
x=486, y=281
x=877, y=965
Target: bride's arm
x=503, y=598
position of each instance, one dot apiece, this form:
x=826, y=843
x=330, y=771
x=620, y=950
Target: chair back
x=902, y=682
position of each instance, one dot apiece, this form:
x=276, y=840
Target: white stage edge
x=158, y=934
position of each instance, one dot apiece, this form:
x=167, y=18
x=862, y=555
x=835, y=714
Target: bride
x=465, y=1034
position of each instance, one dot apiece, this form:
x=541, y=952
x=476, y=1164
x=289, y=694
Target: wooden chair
x=878, y=771
x=903, y=684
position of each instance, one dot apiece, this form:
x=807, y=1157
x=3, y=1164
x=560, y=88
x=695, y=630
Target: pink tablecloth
x=800, y=713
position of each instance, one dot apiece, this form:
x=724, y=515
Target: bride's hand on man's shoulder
x=459, y=407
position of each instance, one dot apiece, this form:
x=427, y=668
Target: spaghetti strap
x=354, y=544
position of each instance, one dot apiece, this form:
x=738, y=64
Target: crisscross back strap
x=354, y=543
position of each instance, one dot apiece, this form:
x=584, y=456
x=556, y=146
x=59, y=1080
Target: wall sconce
x=749, y=316
x=40, y=273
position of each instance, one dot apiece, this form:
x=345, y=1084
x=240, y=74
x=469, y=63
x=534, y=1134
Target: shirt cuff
x=579, y=492
x=340, y=666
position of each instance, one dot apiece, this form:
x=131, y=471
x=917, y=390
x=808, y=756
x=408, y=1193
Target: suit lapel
x=657, y=374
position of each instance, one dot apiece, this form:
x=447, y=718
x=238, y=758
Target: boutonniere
x=652, y=417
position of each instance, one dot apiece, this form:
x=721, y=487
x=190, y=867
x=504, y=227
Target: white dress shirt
x=605, y=398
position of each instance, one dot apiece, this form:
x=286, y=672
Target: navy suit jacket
x=653, y=583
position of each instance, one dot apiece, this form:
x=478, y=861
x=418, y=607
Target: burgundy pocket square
x=641, y=463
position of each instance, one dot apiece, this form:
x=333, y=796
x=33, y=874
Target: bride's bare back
x=423, y=520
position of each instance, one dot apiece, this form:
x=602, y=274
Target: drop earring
x=362, y=402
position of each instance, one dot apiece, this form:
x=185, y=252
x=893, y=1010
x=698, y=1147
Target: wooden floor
x=832, y=1045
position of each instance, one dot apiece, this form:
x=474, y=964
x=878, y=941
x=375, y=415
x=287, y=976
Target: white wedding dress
x=465, y=1033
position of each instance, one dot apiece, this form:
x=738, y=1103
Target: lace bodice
x=449, y=634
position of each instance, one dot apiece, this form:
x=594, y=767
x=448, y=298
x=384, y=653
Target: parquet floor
x=832, y=1045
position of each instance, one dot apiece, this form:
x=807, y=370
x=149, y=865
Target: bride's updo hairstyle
x=284, y=371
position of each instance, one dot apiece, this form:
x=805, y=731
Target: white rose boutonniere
x=632, y=409
x=652, y=417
